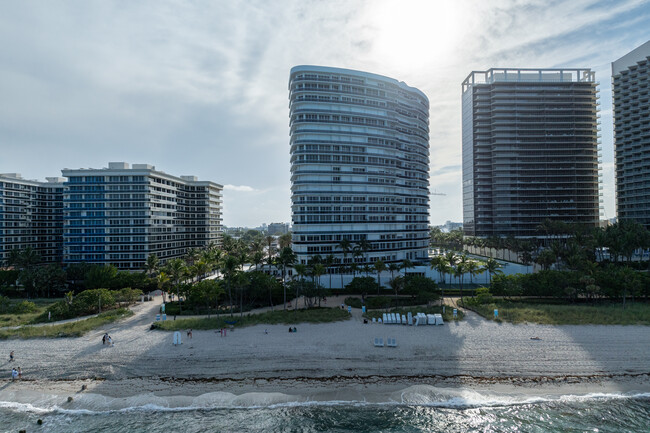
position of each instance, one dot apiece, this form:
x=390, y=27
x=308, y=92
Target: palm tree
x=492, y=267
x=451, y=258
x=379, y=268
x=354, y=268
x=345, y=247
x=459, y=271
x=439, y=264
x=229, y=268
x=161, y=280
x=393, y=267
x=152, y=265
x=257, y=259
x=177, y=269
x=406, y=264
x=329, y=261
x=472, y=268
x=396, y=283
x=286, y=258
x=357, y=252
x=317, y=271
x=365, y=246
x=301, y=271
x=284, y=240
x=269, y=244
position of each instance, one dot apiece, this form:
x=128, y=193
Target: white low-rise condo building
x=120, y=214
x=359, y=166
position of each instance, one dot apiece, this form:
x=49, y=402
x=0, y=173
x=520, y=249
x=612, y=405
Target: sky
x=200, y=87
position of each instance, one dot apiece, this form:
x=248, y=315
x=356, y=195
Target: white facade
x=359, y=145
x=120, y=214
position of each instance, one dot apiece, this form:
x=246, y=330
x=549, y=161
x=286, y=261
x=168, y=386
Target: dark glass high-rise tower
x=530, y=150
x=631, y=106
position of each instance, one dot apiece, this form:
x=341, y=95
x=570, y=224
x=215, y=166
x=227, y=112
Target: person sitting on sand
x=14, y=374
x=294, y=329
x=110, y=341
x=290, y=330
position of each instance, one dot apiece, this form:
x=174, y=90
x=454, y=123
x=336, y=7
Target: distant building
x=120, y=214
x=530, y=150
x=631, y=107
x=359, y=146
x=31, y=215
x=275, y=229
x=451, y=226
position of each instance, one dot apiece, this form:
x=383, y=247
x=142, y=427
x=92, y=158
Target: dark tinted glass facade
x=631, y=104
x=530, y=150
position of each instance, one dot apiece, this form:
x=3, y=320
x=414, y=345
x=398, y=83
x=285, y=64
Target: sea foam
x=418, y=395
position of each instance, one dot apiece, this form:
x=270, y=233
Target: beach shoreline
x=334, y=360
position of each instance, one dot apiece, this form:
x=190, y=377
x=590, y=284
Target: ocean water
x=416, y=409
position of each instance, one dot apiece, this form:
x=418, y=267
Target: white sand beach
x=332, y=359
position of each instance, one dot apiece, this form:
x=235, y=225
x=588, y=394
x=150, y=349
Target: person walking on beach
x=189, y=334
x=20, y=373
x=11, y=356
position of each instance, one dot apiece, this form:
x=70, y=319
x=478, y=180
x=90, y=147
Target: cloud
x=201, y=87
x=240, y=188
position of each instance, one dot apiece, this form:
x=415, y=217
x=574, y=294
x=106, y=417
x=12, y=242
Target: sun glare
x=414, y=34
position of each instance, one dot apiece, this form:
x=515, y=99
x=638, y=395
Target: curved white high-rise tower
x=359, y=165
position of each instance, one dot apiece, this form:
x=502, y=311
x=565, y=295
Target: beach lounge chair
x=403, y=319
x=385, y=318
x=409, y=319
x=379, y=342
x=374, y=320
x=431, y=319
x=439, y=319
x=379, y=320
x=393, y=317
x=391, y=342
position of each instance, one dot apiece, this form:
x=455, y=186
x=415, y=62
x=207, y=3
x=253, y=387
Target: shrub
x=24, y=307
x=483, y=296
x=58, y=311
x=362, y=285
x=89, y=301
x=127, y=295
x=4, y=304
x=416, y=285
x=353, y=302
x=376, y=302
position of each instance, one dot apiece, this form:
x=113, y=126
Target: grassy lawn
x=312, y=315
x=554, y=314
x=26, y=318
x=72, y=329
x=447, y=316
